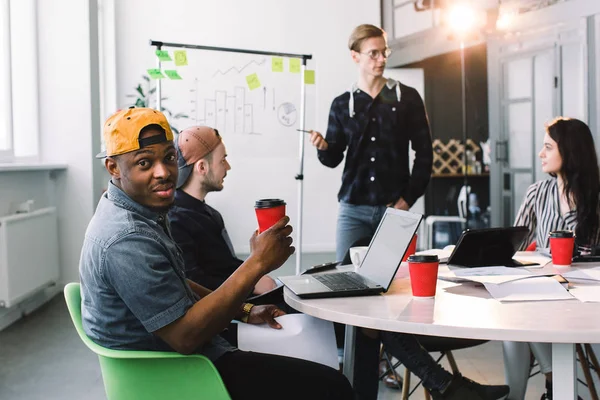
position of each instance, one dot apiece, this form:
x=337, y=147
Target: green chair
x=131, y=375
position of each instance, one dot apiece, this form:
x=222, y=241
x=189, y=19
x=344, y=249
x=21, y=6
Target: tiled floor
x=41, y=357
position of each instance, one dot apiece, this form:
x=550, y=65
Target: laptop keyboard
x=342, y=281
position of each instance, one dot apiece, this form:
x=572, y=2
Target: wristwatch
x=246, y=307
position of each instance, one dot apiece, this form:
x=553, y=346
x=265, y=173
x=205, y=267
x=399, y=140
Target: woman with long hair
x=569, y=200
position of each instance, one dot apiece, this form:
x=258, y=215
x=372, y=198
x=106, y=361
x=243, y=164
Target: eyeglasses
x=374, y=54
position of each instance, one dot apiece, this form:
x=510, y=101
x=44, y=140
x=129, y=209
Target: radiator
x=28, y=254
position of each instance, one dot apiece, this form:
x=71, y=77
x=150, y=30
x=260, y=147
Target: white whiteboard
x=214, y=91
x=258, y=126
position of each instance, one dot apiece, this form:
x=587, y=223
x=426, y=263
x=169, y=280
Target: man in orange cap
x=133, y=288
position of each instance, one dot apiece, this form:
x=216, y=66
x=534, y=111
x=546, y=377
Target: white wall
x=315, y=27
x=67, y=112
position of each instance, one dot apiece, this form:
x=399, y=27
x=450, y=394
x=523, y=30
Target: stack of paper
x=527, y=257
x=587, y=274
x=300, y=336
x=530, y=289
x=442, y=254
x=511, y=284
x=584, y=284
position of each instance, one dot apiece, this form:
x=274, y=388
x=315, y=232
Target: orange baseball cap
x=194, y=144
x=122, y=130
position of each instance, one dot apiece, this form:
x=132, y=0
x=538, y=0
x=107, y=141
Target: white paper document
x=442, y=254
x=491, y=274
x=590, y=274
x=301, y=336
x=586, y=291
x=532, y=257
x=531, y=289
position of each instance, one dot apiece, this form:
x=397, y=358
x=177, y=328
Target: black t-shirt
x=200, y=232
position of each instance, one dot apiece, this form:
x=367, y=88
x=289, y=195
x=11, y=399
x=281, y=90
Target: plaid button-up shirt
x=376, y=138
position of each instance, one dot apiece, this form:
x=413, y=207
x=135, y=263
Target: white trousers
x=516, y=364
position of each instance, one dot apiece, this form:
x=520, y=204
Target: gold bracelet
x=246, y=307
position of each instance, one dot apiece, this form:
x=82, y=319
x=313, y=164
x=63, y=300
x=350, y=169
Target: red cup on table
x=268, y=212
x=412, y=248
x=562, y=244
x=423, y=275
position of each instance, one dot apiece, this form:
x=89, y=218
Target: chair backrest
x=133, y=375
x=532, y=246
x=462, y=201
x=73, y=298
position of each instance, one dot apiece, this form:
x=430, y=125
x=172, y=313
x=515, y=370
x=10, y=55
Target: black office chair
x=433, y=344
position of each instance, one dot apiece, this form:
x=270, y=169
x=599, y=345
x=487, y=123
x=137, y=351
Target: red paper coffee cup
x=268, y=211
x=412, y=248
x=423, y=275
x=561, y=247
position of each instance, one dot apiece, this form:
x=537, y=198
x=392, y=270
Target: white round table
x=466, y=311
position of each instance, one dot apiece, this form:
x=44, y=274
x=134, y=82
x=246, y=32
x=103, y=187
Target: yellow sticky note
x=253, y=81
x=180, y=57
x=163, y=55
x=309, y=77
x=172, y=74
x=277, y=64
x=295, y=65
x=155, y=73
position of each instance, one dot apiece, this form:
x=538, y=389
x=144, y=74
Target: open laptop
x=377, y=270
x=489, y=247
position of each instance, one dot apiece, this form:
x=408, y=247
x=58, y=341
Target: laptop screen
x=388, y=246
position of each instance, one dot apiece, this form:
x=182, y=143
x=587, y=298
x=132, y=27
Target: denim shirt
x=132, y=278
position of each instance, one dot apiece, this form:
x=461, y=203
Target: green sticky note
x=155, y=73
x=295, y=65
x=172, y=74
x=163, y=55
x=180, y=57
x=277, y=64
x=253, y=81
x=309, y=77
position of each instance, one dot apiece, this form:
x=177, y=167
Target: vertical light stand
x=464, y=130
x=158, y=84
x=300, y=175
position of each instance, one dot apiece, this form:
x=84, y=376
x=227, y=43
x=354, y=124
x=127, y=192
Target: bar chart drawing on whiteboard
x=227, y=112
x=240, y=95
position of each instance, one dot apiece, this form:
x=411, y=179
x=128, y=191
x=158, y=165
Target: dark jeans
x=405, y=348
x=250, y=375
x=355, y=222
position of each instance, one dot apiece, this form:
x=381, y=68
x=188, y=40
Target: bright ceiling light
x=505, y=20
x=461, y=18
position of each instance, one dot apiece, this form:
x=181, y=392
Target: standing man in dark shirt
x=374, y=122
x=197, y=227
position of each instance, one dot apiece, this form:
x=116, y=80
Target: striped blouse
x=540, y=212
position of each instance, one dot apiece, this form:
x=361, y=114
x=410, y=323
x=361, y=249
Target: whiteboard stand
x=300, y=176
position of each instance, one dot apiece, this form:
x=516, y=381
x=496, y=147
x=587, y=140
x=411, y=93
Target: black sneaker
x=548, y=394
x=462, y=388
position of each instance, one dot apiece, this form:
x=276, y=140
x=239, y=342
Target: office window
x=19, y=108
x=5, y=83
